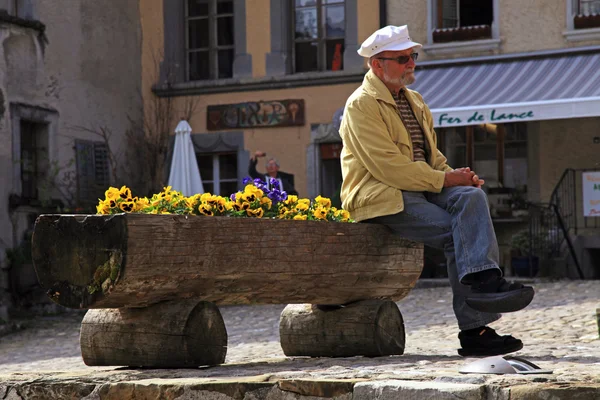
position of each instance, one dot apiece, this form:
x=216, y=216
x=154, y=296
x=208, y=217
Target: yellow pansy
x=251, y=189
x=112, y=193
x=249, y=197
x=102, y=208
x=205, y=209
x=258, y=212
x=291, y=199
x=320, y=213
x=300, y=217
x=125, y=192
x=127, y=206
x=323, y=201
x=301, y=206
x=344, y=214
x=267, y=201
x=238, y=197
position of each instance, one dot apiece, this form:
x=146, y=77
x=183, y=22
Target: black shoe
x=486, y=342
x=499, y=296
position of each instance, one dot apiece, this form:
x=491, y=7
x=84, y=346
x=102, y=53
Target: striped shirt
x=412, y=126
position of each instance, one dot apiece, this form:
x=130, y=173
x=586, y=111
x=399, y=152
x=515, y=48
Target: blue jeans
x=458, y=221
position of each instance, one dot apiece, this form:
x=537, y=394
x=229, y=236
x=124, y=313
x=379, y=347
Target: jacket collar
x=376, y=88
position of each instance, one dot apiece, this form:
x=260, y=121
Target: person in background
x=394, y=175
x=286, y=181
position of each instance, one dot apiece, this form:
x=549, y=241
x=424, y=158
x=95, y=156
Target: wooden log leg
x=369, y=328
x=176, y=334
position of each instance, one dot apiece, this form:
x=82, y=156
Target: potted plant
x=522, y=261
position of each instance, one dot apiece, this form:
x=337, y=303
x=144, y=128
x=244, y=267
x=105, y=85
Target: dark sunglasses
x=402, y=59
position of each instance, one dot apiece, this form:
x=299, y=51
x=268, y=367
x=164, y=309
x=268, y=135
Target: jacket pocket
x=371, y=193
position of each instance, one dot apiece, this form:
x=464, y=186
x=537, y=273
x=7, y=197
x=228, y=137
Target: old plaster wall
x=88, y=74
x=258, y=37
x=93, y=67
x=566, y=143
x=412, y=13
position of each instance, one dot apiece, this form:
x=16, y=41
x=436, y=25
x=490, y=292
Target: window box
x=586, y=21
x=462, y=33
x=462, y=26
x=583, y=20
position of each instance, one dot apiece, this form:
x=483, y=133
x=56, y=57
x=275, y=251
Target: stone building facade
x=67, y=69
x=514, y=87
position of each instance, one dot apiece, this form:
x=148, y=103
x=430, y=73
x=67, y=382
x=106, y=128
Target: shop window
x=319, y=35
x=218, y=172
x=498, y=153
x=462, y=20
x=210, y=49
x=586, y=14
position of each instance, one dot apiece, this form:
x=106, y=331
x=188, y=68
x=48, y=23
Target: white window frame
x=576, y=35
x=216, y=178
x=463, y=46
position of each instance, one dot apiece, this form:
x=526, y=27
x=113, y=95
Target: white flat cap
x=389, y=38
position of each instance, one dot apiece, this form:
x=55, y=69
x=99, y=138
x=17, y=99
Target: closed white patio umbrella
x=184, y=176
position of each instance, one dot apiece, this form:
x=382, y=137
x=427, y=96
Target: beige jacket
x=377, y=158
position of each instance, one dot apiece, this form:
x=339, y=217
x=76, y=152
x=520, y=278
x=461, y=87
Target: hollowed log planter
x=137, y=260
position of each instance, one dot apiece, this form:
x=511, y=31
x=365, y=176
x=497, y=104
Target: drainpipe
x=382, y=13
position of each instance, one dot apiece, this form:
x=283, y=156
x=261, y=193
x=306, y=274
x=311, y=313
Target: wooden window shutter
x=92, y=170
x=101, y=173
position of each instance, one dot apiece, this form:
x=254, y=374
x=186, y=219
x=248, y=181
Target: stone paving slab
x=559, y=330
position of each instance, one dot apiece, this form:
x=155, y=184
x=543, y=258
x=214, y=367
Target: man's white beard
x=404, y=80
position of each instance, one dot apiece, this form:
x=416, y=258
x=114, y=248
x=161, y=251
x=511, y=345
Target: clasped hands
x=462, y=177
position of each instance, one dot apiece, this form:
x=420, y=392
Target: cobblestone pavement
x=559, y=330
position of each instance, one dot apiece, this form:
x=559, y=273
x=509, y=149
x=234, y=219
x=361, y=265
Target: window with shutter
x=92, y=170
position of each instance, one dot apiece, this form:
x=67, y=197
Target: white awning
x=511, y=88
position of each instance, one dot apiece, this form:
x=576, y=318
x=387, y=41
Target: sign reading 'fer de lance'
x=259, y=114
x=481, y=117
x=591, y=194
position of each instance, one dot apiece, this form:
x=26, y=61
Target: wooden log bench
x=152, y=284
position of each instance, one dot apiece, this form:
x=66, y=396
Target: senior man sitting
x=394, y=174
